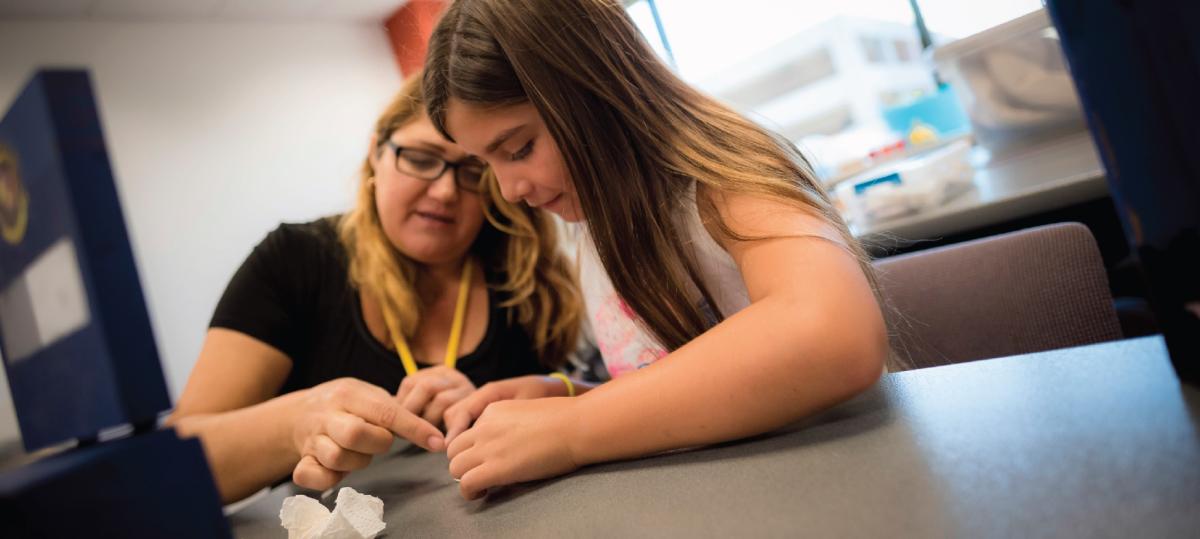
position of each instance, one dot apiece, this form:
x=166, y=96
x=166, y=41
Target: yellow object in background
x=922, y=134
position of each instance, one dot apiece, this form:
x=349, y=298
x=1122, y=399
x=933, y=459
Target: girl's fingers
x=476, y=481
x=461, y=443
x=461, y=415
x=465, y=462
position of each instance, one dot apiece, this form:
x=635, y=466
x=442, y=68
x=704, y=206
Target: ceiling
x=202, y=10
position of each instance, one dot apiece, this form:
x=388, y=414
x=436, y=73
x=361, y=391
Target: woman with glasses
x=338, y=335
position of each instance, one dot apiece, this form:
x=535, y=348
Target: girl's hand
x=431, y=391
x=460, y=416
x=515, y=441
x=339, y=425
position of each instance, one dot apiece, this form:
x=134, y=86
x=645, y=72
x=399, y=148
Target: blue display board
x=74, y=329
x=150, y=485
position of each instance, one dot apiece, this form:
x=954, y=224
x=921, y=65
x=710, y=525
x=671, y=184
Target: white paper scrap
x=354, y=516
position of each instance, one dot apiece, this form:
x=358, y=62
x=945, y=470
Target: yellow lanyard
x=460, y=311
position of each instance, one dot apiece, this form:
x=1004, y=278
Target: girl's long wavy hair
x=633, y=136
x=516, y=243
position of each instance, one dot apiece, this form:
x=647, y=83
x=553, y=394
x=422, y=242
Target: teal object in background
x=940, y=110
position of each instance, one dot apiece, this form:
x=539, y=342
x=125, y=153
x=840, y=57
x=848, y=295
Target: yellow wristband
x=565, y=380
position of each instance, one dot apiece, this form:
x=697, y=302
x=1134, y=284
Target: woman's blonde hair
x=518, y=245
x=633, y=137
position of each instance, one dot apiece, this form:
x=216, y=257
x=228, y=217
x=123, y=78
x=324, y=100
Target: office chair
x=1036, y=289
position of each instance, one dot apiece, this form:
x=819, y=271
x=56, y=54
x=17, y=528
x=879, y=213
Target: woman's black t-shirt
x=293, y=293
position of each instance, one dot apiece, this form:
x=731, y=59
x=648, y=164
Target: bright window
x=819, y=72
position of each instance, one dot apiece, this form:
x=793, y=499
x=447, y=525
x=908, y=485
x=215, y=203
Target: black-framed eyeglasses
x=428, y=166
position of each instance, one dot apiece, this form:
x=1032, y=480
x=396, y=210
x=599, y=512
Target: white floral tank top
x=624, y=342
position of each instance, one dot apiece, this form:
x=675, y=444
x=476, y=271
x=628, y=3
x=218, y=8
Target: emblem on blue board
x=14, y=201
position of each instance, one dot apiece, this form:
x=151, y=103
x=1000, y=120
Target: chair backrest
x=1036, y=289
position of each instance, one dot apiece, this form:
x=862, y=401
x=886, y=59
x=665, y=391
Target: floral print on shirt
x=622, y=341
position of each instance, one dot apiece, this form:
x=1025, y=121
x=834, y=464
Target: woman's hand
x=460, y=416
x=515, y=441
x=430, y=391
x=339, y=425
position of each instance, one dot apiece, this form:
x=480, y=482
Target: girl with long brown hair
x=727, y=296
x=336, y=336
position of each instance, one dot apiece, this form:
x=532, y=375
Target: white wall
x=217, y=132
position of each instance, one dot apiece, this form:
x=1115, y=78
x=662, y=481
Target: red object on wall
x=409, y=29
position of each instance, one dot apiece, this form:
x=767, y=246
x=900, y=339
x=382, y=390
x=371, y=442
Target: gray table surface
x=1049, y=176
x=1097, y=441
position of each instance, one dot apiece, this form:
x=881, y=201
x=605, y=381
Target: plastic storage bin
x=1014, y=83
x=907, y=187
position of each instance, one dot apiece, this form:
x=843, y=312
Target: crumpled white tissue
x=354, y=516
